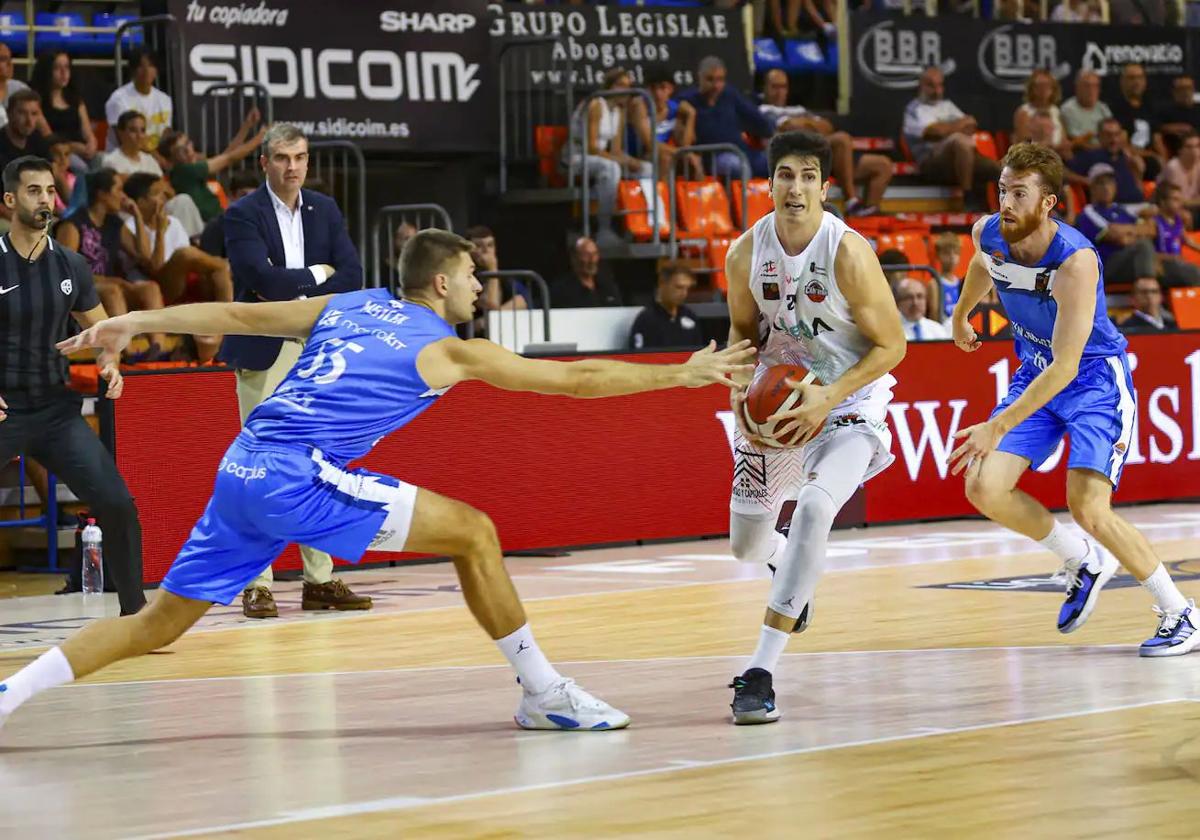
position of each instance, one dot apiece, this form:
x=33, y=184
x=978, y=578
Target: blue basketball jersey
x=356, y=380
x=1025, y=292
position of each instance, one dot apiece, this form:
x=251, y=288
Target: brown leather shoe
x=334, y=595
x=258, y=602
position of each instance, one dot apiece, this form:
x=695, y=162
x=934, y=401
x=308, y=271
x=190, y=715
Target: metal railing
x=223, y=106
x=387, y=220
x=340, y=167
x=578, y=153
x=713, y=149
x=523, y=106
x=517, y=317
x=163, y=36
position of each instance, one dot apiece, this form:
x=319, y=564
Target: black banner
x=404, y=78
x=594, y=39
x=987, y=62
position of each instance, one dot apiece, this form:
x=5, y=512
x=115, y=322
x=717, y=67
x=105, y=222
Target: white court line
x=574, y=662
x=405, y=803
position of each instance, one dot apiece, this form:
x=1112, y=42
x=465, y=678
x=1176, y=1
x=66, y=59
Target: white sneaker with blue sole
x=564, y=705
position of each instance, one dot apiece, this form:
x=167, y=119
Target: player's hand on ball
x=737, y=401
x=980, y=439
x=712, y=366
x=816, y=401
x=965, y=337
x=110, y=336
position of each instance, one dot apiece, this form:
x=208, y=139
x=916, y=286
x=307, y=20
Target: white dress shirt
x=291, y=231
x=924, y=329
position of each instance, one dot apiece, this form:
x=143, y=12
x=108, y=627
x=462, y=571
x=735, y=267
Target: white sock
x=1164, y=591
x=1066, y=543
x=771, y=643
x=532, y=666
x=47, y=671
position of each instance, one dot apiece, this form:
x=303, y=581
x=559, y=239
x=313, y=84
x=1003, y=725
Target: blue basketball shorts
x=268, y=495
x=1096, y=412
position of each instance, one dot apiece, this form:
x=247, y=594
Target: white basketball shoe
x=564, y=705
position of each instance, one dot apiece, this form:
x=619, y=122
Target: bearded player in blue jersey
x=371, y=363
x=1073, y=380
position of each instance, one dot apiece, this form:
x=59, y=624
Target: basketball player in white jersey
x=815, y=289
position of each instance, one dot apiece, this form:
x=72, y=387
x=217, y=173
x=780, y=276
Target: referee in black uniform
x=41, y=283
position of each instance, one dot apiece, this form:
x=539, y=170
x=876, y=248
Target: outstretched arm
x=452, y=360
x=286, y=319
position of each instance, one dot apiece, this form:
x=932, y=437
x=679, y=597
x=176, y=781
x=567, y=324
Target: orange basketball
x=769, y=394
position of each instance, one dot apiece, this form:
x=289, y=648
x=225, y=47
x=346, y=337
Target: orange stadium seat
x=1185, y=304
x=914, y=245
x=985, y=144
x=548, y=141
x=703, y=209
x=758, y=199
x=964, y=257
x=633, y=201
x=718, y=248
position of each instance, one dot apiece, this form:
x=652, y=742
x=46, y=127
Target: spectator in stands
x=668, y=322
x=912, y=300
x=497, y=293
x=723, y=114
x=1143, y=12
x=97, y=234
x=784, y=16
x=586, y=284
x=673, y=126
x=142, y=96
x=1042, y=95
x=286, y=243
x=1149, y=313
x=1083, y=112
x=1132, y=110
x=947, y=250
x=941, y=139
x=212, y=240
x=1014, y=11
x=189, y=171
x=1124, y=242
x=1077, y=11
x=1115, y=151
x=598, y=134
x=874, y=170
x=8, y=85
x=1183, y=171
x=131, y=156
x=64, y=113
x=1171, y=238
x=896, y=257
x=20, y=136
x=166, y=255
x=1179, y=116
x=66, y=199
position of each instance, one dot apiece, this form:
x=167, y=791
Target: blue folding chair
x=107, y=41
x=66, y=37
x=804, y=56
x=14, y=38
x=767, y=55
x=48, y=519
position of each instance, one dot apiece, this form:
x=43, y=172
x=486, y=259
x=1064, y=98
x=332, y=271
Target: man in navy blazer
x=285, y=243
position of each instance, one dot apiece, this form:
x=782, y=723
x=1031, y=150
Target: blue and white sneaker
x=1176, y=633
x=564, y=705
x=1083, y=586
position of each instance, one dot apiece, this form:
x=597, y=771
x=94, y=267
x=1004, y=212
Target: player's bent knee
x=1090, y=515
x=815, y=508
x=169, y=616
x=480, y=539
x=751, y=539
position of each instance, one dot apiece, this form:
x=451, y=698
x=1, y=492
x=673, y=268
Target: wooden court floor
x=932, y=697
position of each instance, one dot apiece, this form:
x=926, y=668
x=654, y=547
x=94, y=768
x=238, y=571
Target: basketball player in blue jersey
x=371, y=364
x=1073, y=380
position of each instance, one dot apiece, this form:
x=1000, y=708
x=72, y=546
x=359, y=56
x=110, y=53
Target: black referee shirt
x=36, y=302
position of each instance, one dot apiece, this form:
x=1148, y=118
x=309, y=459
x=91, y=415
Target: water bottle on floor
x=93, y=560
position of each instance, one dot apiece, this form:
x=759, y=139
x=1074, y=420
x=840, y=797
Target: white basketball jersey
x=808, y=321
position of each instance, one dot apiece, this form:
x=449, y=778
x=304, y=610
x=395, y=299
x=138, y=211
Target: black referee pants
x=55, y=433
